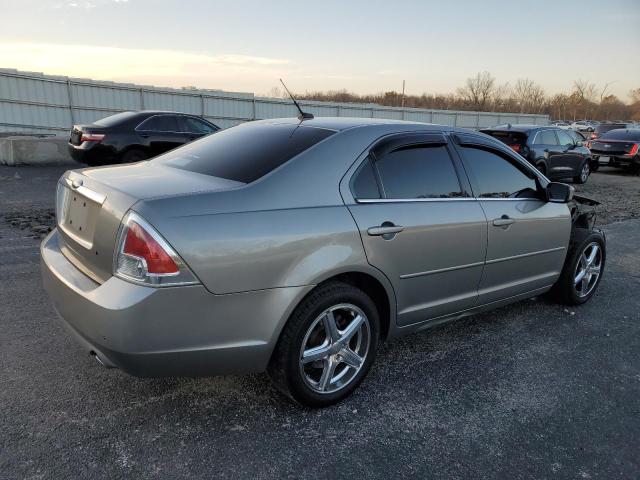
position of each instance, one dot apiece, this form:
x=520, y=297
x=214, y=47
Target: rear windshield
x=244, y=153
x=606, y=128
x=508, y=137
x=621, y=134
x=112, y=120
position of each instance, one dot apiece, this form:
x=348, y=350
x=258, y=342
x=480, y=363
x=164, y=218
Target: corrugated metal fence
x=36, y=103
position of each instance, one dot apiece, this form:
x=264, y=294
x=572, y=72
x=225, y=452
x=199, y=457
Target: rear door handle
x=387, y=228
x=503, y=221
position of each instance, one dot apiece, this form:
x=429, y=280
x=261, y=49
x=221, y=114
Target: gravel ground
x=532, y=390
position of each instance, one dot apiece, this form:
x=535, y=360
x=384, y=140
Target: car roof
x=343, y=123
x=516, y=127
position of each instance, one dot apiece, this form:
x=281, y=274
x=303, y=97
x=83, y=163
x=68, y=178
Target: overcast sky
x=363, y=46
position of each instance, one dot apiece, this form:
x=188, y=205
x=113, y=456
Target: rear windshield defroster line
x=245, y=153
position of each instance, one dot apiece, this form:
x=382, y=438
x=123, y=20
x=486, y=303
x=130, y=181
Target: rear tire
x=583, y=268
x=134, y=155
x=327, y=346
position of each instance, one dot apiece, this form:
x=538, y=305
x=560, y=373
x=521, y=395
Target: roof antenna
x=303, y=115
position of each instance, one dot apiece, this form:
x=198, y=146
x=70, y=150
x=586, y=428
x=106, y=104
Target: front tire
x=134, y=155
x=583, y=268
x=327, y=347
x=583, y=176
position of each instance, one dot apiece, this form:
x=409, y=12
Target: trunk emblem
x=607, y=145
x=77, y=183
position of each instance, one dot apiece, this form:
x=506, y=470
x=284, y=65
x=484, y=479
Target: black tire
x=285, y=366
x=583, y=174
x=594, y=166
x=565, y=290
x=133, y=155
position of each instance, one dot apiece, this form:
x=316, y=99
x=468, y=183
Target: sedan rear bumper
x=185, y=331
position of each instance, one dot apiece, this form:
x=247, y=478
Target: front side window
x=160, y=123
x=418, y=172
x=498, y=177
x=195, y=125
x=565, y=139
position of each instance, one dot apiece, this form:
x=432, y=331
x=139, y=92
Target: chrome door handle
x=384, y=229
x=503, y=221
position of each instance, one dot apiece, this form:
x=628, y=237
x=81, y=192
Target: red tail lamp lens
x=139, y=243
x=634, y=149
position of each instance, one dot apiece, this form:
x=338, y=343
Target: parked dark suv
x=132, y=136
x=557, y=153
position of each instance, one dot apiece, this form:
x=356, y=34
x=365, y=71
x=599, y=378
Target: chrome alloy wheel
x=588, y=269
x=335, y=348
x=584, y=173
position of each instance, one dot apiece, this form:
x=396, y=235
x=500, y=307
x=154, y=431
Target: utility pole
x=402, y=93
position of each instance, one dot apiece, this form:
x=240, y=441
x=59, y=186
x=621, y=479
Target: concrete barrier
x=22, y=150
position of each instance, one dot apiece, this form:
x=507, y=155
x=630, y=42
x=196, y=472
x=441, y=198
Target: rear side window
x=244, y=153
x=160, y=123
x=546, y=137
x=418, y=172
x=498, y=177
x=116, y=119
x=364, y=184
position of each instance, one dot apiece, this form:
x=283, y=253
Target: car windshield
x=112, y=120
x=244, y=153
x=623, y=134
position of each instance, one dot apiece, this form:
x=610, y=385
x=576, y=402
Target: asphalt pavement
x=532, y=390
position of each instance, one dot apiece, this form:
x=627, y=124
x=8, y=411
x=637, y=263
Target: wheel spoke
x=351, y=329
x=327, y=374
x=584, y=285
x=317, y=353
x=592, y=256
x=580, y=276
x=330, y=327
x=351, y=358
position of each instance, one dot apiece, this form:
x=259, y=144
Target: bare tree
x=635, y=95
x=529, y=95
x=604, y=89
x=477, y=91
x=585, y=90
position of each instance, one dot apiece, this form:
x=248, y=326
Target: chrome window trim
x=138, y=129
x=464, y=199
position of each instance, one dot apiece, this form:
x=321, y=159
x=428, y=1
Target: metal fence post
x=141, y=99
x=253, y=105
x=202, y=105
x=71, y=115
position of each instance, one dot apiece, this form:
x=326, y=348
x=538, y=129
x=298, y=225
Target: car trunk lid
x=611, y=147
x=91, y=204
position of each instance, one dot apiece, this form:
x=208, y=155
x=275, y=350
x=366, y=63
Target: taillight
x=634, y=149
x=91, y=137
x=593, y=136
x=515, y=147
x=143, y=256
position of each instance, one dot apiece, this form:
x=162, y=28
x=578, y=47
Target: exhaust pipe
x=104, y=362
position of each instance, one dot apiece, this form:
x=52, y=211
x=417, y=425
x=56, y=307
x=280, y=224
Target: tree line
x=482, y=93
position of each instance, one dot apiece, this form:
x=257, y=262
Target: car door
x=419, y=225
x=547, y=141
x=570, y=159
x=527, y=236
x=161, y=133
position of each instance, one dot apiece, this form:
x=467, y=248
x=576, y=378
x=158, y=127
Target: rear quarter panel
x=258, y=250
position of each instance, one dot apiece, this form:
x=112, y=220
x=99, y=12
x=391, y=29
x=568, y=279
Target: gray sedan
x=296, y=247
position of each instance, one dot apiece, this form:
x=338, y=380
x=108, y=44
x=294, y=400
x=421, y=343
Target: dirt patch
x=618, y=191
x=36, y=222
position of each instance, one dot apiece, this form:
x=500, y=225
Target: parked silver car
x=296, y=247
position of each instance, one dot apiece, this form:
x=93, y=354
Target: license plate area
x=80, y=215
x=604, y=160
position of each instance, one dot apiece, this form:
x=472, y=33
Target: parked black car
x=618, y=148
x=132, y=136
x=607, y=127
x=557, y=153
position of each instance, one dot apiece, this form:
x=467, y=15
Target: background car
x=557, y=153
x=132, y=136
x=583, y=126
x=603, y=128
x=560, y=124
x=618, y=148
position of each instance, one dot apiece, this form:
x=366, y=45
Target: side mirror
x=559, y=192
x=579, y=143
